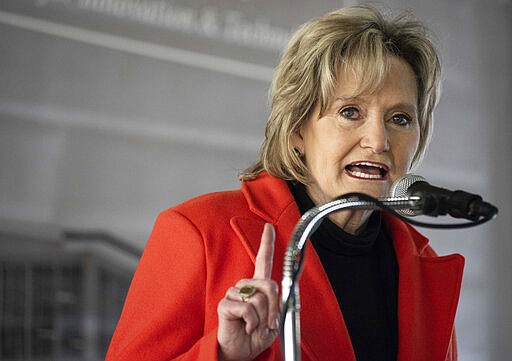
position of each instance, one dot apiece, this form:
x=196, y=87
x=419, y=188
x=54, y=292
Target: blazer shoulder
x=213, y=199
x=215, y=205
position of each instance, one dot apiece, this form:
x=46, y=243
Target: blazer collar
x=267, y=196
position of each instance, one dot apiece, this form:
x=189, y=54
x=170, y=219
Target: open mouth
x=367, y=170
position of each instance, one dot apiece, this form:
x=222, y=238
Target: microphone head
x=400, y=188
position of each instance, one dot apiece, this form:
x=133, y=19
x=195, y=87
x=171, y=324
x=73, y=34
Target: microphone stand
x=294, y=258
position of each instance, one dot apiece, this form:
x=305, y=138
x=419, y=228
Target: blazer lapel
x=428, y=293
x=326, y=337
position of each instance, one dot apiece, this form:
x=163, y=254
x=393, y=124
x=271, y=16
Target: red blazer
x=200, y=248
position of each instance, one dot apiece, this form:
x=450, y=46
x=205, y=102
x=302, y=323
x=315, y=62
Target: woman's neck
x=351, y=221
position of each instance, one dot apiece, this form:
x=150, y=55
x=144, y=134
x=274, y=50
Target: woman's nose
x=375, y=137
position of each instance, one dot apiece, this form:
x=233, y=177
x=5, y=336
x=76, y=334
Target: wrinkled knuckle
x=247, y=313
x=230, y=291
x=242, y=283
x=270, y=287
x=264, y=288
x=274, y=287
x=221, y=306
x=259, y=299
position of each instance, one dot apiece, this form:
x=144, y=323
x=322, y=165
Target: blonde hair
x=357, y=38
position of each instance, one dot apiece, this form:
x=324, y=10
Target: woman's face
x=362, y=143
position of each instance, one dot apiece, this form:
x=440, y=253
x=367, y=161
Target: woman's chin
x=376, y=189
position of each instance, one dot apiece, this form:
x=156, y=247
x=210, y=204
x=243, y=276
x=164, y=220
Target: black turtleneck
x=363, y=273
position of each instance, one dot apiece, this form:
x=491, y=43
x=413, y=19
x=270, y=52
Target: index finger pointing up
x=264, y=258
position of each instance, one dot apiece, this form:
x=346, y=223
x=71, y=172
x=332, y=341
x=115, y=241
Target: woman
x=352, y=104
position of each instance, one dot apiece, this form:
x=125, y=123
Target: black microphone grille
x=402, y=184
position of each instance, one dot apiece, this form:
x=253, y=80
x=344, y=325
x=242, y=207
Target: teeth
x=365, y=175
x=369, y=165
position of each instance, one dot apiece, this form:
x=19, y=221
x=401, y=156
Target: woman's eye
x=401, y=119
x=349, y=113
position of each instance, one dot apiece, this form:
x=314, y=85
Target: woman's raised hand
x=249, y=318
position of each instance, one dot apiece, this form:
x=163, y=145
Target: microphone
x=435, y=201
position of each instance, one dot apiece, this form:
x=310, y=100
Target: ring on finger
x=246, y=292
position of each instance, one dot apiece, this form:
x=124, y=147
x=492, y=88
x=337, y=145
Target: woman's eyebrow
x=347, y=98
x=403, y=105
x=341, y=99
x=407, y=106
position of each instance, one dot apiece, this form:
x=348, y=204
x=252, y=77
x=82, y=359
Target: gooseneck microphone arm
x=294, y=257
x=411, y=195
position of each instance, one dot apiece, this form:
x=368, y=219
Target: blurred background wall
x=113, y=110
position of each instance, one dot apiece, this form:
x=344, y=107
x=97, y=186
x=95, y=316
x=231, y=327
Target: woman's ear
x=298, y=142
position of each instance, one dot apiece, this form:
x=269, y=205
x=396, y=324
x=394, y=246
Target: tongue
x=365, y=169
